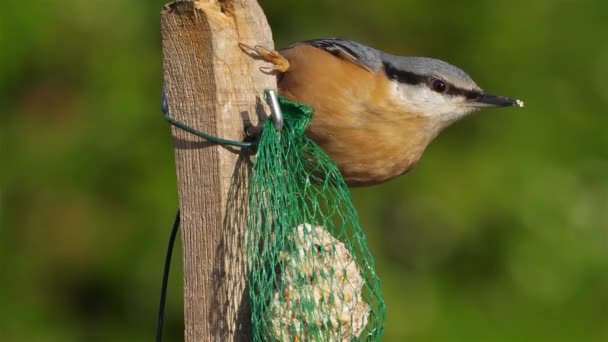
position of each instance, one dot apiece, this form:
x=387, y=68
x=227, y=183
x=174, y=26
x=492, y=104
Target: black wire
x=163, y=290
x=208, y=137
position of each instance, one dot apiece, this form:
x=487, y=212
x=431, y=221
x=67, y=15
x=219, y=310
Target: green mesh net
x=312, y=276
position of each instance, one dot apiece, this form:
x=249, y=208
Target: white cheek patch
x=426, y=102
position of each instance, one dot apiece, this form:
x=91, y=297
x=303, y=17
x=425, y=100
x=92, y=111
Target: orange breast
x=356, y=122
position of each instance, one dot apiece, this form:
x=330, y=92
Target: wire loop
x=276, y=116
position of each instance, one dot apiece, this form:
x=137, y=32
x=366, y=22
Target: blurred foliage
x=500, y=234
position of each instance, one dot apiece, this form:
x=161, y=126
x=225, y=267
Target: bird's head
x=436, y=89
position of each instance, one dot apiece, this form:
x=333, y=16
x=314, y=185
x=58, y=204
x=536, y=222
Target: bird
x=375, y=113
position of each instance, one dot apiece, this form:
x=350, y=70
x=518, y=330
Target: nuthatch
x=375, y=113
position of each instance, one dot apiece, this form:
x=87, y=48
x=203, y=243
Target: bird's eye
x=439, y=86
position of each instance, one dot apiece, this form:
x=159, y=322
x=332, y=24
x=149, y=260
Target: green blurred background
x=500, y=234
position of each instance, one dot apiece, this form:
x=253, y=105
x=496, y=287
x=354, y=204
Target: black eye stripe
x=402, y=76
x=469, y=94
x=407, y=77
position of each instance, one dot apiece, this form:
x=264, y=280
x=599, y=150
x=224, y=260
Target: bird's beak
x=489, y=100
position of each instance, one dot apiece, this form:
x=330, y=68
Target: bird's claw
x=272, y=56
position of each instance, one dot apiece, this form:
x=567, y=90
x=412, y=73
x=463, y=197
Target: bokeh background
x=500, y=234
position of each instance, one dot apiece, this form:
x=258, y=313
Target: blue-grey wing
x=354, y=52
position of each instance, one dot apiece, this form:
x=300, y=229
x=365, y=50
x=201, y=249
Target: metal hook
x=276, y=114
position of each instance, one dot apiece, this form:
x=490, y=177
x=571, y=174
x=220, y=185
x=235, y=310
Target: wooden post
x=214, y=87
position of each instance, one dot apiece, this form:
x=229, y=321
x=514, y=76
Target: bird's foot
x=272, y=56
